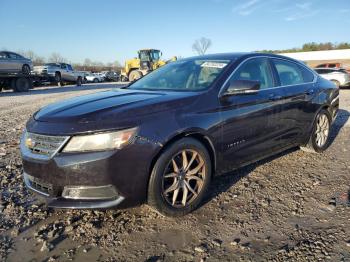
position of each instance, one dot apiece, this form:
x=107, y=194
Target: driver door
x=250, y=121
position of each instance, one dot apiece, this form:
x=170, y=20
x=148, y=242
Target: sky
x=108, y=30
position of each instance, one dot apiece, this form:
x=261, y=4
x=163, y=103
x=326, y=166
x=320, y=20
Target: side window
x=308, y=76
x=69, y=67
x=3, y=55
x=12, y=55
x=288, y=72
x=63, y=66
x=257, y=69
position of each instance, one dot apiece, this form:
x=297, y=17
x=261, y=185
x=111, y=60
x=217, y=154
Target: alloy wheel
x=183, y=179
x=322, y=130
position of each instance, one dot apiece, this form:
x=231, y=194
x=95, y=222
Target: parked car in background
x=329, y=65
x=15, y=72
x=340, y=77
x=85, y=74
x=94, y=78
x=59, y=73
x=164, y=137
x=12, y=63
x=112, y=76
x=334, y=65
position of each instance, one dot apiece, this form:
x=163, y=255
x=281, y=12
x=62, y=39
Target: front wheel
x=135, y=75
x=180, y=178
x=320, y=134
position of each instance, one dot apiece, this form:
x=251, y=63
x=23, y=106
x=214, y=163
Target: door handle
x=310, y=92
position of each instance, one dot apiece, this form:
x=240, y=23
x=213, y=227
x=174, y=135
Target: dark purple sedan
x=163, y=138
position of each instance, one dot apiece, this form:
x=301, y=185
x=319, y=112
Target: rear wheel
x=22, y=84
x=336, y=82
x=319, y=138
x=123, y=78
x=58, y=79
x=79, y=81
x=134, y=75
x=26, y=70
x=180, y=178
x=95, y=80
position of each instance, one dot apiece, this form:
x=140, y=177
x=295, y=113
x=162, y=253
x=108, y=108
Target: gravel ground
x=293, y=206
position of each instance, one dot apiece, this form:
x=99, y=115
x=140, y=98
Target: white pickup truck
x=58, y=73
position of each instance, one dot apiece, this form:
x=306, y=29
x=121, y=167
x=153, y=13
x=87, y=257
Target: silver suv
x=340, y=77
x=12, y=63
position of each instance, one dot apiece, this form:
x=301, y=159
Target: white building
x=321, y=55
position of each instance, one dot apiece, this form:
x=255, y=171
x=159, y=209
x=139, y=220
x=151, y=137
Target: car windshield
x=144, y=55
x=185, y=75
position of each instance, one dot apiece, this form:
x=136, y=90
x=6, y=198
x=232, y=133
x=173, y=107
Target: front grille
x=43, y=144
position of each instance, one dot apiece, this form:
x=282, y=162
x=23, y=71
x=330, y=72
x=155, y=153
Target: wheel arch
x=197, y=135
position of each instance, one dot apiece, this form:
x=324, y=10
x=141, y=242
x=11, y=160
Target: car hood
x=111, y=106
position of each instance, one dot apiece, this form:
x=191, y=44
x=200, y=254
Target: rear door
x=14, y=62
x=251, y=121
x=297, y=89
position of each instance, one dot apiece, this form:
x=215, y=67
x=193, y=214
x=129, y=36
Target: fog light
x=90, y=192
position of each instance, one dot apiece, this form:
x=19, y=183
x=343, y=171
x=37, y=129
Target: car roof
x=239, y=55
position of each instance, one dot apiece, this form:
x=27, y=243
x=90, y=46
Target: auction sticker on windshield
x=214, y=64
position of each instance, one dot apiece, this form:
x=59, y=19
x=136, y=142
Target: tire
x=79, y=81
x=163, y=201
x=58, y=79
x=22, y=84
x=123, y=79
x=320, y=135
x=26, y=70
x=134, y=75
x=336, y=82
x=95, y=80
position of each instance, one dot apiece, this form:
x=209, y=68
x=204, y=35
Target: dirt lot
x=289, y=207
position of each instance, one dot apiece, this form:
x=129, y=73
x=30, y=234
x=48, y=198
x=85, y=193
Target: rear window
x=3, y=55
x=291, y=73
x=308, y=76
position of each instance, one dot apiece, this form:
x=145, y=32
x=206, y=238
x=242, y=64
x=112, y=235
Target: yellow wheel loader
x=147, y=61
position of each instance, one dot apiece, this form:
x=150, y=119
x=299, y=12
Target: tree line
x=312, y=47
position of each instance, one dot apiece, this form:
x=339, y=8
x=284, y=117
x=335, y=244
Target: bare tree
x=56, y=58
x=201, y=45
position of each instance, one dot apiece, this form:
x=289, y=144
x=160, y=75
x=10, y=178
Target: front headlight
x=102, y=141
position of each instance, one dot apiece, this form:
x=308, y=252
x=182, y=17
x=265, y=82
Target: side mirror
x=241, y=87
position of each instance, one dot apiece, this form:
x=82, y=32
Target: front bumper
x=88, y=201
x=126, y=171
